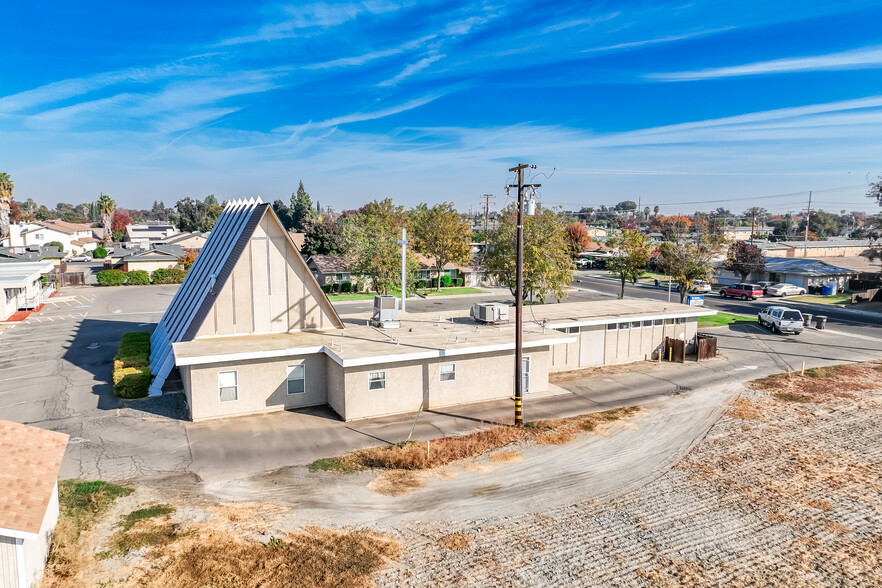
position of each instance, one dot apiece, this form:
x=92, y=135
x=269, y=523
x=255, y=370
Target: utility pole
x=403, y=242
x=519, y=292
x=808, y=214
x=486, y=198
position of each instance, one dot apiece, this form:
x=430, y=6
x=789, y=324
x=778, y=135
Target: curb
x=822, y=307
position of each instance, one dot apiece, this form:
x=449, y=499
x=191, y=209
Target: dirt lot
x=785, y=489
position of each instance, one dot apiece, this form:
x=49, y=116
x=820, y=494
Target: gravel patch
x=165, y=406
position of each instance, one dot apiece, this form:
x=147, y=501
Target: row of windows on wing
x=628, y=325
x=228, y=382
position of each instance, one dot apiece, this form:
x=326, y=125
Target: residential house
x=328, y=269
x=30, y=459
x=833, y=247
x=21, y=286
x=798, y=271
x=193, y=241
x=251, y=331
x=746, y=232
x=595, y=232
x=52, y=253
x=157, y=257
x=298, y=237
x=75, y=238
x=146, y=233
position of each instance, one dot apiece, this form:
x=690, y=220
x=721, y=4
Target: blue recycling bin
x=827, y=291
x=695, y=299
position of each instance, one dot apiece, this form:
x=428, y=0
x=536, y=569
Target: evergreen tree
x=301, y=208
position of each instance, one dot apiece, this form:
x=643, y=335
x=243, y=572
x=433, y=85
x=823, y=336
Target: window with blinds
x=376, y=380
x=228, y=384
x=297, y=379
x=448, y=372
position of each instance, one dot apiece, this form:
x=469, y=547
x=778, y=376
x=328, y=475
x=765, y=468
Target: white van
x=782, y=320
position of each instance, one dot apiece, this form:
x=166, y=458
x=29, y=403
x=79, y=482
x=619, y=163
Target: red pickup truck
x=742, y=291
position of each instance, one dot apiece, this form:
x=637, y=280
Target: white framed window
x=448, y=372
x=376, y=380
x=228, y=386
x=624, y=326
x=612, y=326
x=296, y=379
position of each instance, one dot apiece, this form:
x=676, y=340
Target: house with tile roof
x=30, y=459
x=75, y=238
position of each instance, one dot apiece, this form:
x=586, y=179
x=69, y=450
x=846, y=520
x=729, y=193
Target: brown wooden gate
x=675, y=349
x=707, y=346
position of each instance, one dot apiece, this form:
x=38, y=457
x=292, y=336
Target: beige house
x=158, y=257
x=252, y=332
x=75, y=238
x=30, y=459
x=195, y=240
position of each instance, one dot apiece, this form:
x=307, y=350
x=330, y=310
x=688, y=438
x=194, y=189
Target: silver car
x=784, y=290
x=782, y=320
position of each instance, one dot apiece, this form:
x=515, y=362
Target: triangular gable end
x=265, y=288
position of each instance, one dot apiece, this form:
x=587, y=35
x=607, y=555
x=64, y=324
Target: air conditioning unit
x=385, y=314
x=490, y=312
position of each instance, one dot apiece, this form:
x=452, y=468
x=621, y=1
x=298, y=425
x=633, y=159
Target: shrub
x=168, y=276
x=335, y=287
x=433, y=283
x=420, y=284
x=111, y=278
x=327, y=288
x=131, y=366
x=58, y=244
x=99, y=253
x=137, y=278
x=460, y=282
x=445, y=281
x=346, y=287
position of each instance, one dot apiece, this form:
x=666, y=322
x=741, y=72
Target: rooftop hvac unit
x=490, y=312
x=385, y=314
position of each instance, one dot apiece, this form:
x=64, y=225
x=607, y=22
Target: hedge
x=99, y=253
x=137, y=278
x=131, y=366
x=420, y=284
x=460, y=282
x=445, y=281
x=168, y=276
x=327, y=288
x=346, y=287
x=111, y=278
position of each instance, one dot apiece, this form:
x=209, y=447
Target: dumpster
x=807, y=320
x=827, y=291
x=820, y=321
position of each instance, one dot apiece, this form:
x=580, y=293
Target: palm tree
x=106, y=206
x=6, y=188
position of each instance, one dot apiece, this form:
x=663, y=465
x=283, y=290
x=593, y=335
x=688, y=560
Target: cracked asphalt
x=55, y=373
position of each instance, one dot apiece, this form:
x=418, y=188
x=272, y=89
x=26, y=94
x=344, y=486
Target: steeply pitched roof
x=30, y=458
x=206, y=279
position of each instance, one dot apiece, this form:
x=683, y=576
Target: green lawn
x=721, y=319
x=836, y=299
x=397, y=293
x=647, y=277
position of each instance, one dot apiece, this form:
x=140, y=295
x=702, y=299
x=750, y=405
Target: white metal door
x=525, y=374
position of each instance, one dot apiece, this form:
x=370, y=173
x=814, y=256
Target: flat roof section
x=20, y=274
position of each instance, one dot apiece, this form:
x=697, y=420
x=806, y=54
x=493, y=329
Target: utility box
x=385, y=314
x=490, y=312
x=695, y=299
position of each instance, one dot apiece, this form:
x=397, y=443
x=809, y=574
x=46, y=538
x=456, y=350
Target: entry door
x=473, y=279
x=525, y=374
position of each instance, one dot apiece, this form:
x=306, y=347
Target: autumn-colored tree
x=674, y=227
x=442, y=235
x=323, y=236
x=188, y=258
x=630, y=253
x=548, y=267
x=578, y=238
x=744, y=259
x=118, y=224
x=689, y=262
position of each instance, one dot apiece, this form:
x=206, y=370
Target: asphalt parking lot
x=55, y=370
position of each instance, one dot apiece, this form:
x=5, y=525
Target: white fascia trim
x=622, y=319
x=199, y=360
x=19, y=534
x=440, y=353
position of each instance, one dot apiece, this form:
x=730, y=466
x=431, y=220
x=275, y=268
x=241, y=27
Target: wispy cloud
x=362, y=116
x=320, y=15
x=579, y=22
x=364, y=58
x=866, y=58
x=656, y=40
x=410, y=70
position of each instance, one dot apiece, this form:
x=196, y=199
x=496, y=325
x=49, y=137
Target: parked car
x=784, y=290
x=765, y=285
x=742, y=291
x=699, y=287
x=782, y=320
x=80, y=257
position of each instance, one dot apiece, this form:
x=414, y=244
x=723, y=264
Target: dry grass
x=416, y=456
x=506, y=457
x=455, y=542
x=145, y=527
x=818, y=384
x=397, y=482
x=312, y=558
x=745, y=410
x=606, y=370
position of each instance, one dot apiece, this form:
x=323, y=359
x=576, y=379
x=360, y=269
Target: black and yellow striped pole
x=519, y=294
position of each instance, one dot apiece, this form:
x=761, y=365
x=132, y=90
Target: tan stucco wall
x=36, y=551
x=8, y=562
x=482, y=377
x=262, y=386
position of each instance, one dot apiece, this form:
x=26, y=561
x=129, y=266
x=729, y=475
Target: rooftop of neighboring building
x=60, y=226
x=329, y=264
x=29, y=465
x=805, y=266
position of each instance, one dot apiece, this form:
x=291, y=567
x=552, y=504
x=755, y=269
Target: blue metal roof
x=194, y=298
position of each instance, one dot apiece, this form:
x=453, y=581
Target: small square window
x=635, y=325
x=669, y=321
x=228, y=386
x=296, y=379
x=611, y=327
x=376, y=380
x=624, y=326
x=658, y=322
x=448, y=372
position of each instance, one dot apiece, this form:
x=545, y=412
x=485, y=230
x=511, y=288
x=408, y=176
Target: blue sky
x=688, y=106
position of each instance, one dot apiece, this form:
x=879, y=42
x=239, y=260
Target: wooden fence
x=675, y=349
x=706, y=347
